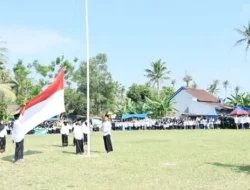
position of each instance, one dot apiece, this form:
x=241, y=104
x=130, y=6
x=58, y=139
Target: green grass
x=201, y=159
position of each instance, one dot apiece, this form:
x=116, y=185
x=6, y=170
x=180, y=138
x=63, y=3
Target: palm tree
x=173, y=82
x=157, y=74
x=237, y=90
x=6, y=93
x=120, y=93
x=187, y=79
x=213, y=88
x=225, y=86
x=194, y=85
x=3, y=52
x=6, y=84
x=245, y=33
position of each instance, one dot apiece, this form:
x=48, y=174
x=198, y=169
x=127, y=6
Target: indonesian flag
x=46, y=105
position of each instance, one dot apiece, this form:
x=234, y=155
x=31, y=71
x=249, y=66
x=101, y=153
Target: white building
x=192, y=101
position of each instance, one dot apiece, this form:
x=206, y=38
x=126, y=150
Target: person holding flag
x=18, y=139
x=41, y=108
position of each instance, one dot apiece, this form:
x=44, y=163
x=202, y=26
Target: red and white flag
x=46, y=105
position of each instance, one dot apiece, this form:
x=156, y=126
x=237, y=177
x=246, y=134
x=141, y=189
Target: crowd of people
x=80, y=130
x=242, y=122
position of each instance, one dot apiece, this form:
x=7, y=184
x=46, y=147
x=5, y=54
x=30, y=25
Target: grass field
x=201, y=159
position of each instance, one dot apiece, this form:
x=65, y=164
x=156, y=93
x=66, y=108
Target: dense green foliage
x=26, y=80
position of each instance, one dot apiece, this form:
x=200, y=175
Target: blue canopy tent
x=40, y=131
x=129, y=116
x=211, y=116
x=240, y=110
x=53, y=119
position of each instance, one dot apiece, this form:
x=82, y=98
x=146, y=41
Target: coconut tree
x=173, y=82
x=237, y=90
x=225, y=86
x=194, y=85
x=6, y=85
x=157, y=74
x=3, y=52
x=187, y=79
x=213, y=88
x=120, y=93
x=6, y=81
x=245, y=33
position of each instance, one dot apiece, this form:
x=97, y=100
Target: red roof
x=220, y=105
x=202, y=95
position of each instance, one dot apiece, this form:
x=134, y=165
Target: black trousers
x=108, y=143
x=79, y=146
x=2, y=144
x=19, y=151
x=74, y=141
x=85, y=138
x=64, y=140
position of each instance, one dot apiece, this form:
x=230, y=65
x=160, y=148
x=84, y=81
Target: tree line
x=26, y=80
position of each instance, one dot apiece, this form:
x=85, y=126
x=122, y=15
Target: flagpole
x=87, y=48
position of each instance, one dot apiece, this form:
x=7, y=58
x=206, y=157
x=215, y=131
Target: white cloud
x=22, y=40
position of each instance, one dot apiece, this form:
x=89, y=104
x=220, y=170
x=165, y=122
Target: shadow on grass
x=67, y=152
x=236, y=168
x=55, y=145
x=93, y=151
x=27, y=153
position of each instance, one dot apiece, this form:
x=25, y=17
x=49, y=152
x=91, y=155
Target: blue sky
x=190, y=36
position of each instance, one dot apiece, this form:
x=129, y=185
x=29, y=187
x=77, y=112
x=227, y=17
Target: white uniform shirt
x=64, y=129
x=106, y=128
x=85, y=128
x=243, y=120
x=78, y=132
x=3, y=133
x=70, y=126
x=236, y=120
x=17, y=133
x=218, y=122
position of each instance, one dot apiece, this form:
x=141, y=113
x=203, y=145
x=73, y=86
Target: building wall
x=185, y=104
x=200, y=108
x=182, y=101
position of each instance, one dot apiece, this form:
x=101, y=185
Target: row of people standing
x=80, y=137
x=80, y=132
x=168, y=123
